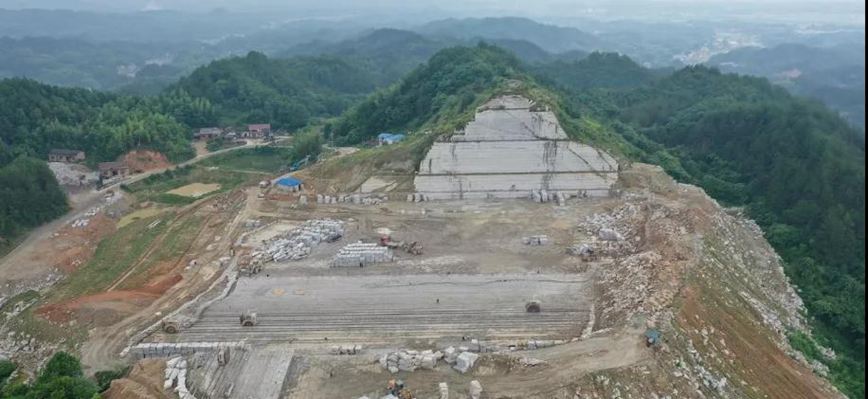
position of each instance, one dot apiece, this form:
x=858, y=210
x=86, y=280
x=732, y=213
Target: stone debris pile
x=345, y=350
x=410, y=360
x=443, y=389
x=543, y=196
x=357, y=199
x=474, y=390
x=297, y=243
x=176, y=377
x=73, y=174
x=541, y=239
x=360, y=254
x=417, y=197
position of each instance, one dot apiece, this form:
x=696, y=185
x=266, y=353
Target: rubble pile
x=417, y=197
x=73, y=174
x=357, y=199
x=543, y=196
x=410, y=360
x=360, y=254
x=461, y=359
x=297, y=243
x=176, y=377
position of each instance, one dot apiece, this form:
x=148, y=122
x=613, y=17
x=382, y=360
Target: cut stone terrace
x=385, y=309
x=511, y=148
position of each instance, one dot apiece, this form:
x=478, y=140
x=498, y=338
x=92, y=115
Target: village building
x=64, y=155
x=207, y=133
x=258, y=131
x=113, y=170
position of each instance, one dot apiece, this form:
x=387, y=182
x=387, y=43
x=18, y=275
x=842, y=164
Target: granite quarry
x=545, y=261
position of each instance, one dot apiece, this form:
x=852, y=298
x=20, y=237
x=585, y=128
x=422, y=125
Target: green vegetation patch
x=114, y=255
x=265, y=159
x=172, y=245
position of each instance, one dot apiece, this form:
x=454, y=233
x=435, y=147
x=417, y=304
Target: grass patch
x=177, y=239
x=174, y=199
x=25, y=297
x=266, y=159
x=113, y=256
x=846, y=373
x=155, y=187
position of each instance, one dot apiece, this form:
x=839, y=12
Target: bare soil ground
x=195, y=190
x=145, y=160
x=145, y=381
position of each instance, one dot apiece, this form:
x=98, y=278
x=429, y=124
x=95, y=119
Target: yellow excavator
x=396, y=388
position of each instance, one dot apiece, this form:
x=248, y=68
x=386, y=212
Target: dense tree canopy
x=60, y=378
x=287, y=93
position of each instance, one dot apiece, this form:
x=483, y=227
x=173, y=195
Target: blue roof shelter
x=288, y=181
x=390, y=138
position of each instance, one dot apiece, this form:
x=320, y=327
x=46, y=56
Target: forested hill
x=34, y=118
x=444, y=87
x=795, y=166
x=608, y=70
x=288, y=93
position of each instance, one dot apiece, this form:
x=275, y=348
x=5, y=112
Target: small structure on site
x=258, y=130
x=207, y=133
x=113, y=170
x=64, y=155
x=289, y=183
x=389, y=138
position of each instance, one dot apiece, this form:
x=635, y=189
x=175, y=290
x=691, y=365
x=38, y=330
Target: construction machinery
x=248, y=319
x=533, y=306
x=301, y=163
x=171, y=326
x=412, y=248
x=652, y=337
x=397, y=389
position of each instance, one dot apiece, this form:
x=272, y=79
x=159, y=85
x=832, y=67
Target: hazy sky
x=820, y=11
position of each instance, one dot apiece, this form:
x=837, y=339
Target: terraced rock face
x=511, y=148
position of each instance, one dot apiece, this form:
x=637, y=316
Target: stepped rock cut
x=512, y=148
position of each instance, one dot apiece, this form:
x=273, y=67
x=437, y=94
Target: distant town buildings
x=64, y=155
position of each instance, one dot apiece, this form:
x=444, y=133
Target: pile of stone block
x=540, y=343
x=461, y=358
x=535, y=240
x=410, y=360
x=361, y=254
x=176, y=377
x=346, y=349
x=357, y=199
x=474, y=390
x=297, y=243
x=542, y=196
x=167, y=349
x=417, y=197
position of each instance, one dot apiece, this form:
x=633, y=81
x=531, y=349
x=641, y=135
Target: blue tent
x=390, y=138
x=288, y=181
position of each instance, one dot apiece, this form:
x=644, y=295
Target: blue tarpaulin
x=288, y=182
x=390, y=138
